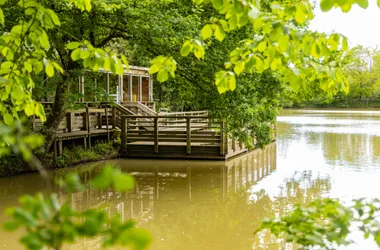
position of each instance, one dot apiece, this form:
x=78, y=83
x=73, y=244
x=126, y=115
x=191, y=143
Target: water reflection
x=345, y=138
x=202, y=205
x=217, y=205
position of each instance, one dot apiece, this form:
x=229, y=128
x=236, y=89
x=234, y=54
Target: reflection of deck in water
x=159, y=183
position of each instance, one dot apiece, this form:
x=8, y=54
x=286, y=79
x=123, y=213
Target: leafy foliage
x=326, y=223
x=50, y=224
x=280, y=42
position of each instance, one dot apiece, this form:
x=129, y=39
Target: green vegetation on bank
x=361, y=67
x=11, y=165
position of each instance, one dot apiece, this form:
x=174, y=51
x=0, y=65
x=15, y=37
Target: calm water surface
x=215, y=205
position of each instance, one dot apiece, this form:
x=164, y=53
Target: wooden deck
x=148, y=134
x=187, y=137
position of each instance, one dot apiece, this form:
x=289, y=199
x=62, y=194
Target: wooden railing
x=188, y=132
x=139, y=108
x=89, y=117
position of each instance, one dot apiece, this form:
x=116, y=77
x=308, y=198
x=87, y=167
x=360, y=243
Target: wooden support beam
x=188, y=135
x=99, y=116
x=156, y=135
x=107, y=125
x=88, y=126
x=34, y=123
x=69, y=122
x=113, y=117
x=222, y=138
x=123, y=135
x=60, y=147
x=55, y=152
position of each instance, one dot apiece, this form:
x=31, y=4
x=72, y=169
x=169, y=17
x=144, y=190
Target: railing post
x=88, y=126
x=155, y=134
x=113, y=117
x=188, y=133
x=107, y=128
x=100, y=122
x=225, y=140
x=221, y=138
x=69, y=122
x=123, y=135
x=34, y=123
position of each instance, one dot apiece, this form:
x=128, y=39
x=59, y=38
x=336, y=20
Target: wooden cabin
x=135, y=85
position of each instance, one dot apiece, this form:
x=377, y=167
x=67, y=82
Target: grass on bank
x=12, y=165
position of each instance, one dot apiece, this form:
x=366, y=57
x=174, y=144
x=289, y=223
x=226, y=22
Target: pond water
x=218, y=205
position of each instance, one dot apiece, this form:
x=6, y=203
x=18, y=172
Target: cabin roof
x=133, y=70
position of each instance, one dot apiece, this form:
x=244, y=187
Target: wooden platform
x=191, y=137
x=148, y=134
x=82, y=134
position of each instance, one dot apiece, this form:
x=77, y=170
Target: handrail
x=124, y=109
x=202, y=113
x=161, y=116
x=140, y=106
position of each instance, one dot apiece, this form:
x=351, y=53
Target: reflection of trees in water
x=186, y=207
x=339, y=148
x=352, y=149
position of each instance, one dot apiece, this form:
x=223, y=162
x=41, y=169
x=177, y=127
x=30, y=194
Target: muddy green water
x=217, y=205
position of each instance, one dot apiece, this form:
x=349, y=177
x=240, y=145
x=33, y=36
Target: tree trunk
x=57, y=114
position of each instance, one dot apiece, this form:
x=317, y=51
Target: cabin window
x=135, y=89
x=126, y=94
x=145, y=89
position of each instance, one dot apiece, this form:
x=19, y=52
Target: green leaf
x=217, y=4
x=2, y=20
x=53, y=16
x=49, y=70
x=199, y=51
x=344, y=44
x=44, y=40
x=11, y=226
x=300, y=15
x=326, y=5
x=378, y=3
x=88, y=5
x=123, y=182
x=362, y=3
x=296, y=83
x=163, y=75
x=40, y=112
x=29, y=109
x=58, y=67
x=186, y=48
x=283, y=43
x=85, y=54
x=8, y=119
x=206, y=32
x=219, y=33
x=315, y=50
x=239, y=67
x=262, y=46
x=104, y=179
x=75, y=55
x=73, y=45
x=154, y=69
x=259, y=65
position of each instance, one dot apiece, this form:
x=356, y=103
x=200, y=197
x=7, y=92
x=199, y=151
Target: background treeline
x=361, y=66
